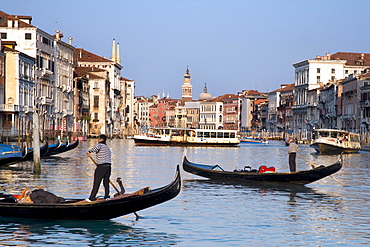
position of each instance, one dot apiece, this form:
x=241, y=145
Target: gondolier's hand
x=88, y=154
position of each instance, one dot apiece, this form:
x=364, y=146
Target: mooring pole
x=36, y=143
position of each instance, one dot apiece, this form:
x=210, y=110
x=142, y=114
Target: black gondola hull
x=300, y=177
x=100, y=210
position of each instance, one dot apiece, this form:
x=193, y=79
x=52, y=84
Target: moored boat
x=254, y=140
x=62, y=147
x=78, y=209
x=333, y=141
x=216, y=172
x=188, y=137
x=28, y=152
x=10, y=157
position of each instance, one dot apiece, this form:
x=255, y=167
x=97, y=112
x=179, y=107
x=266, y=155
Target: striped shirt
x=103, y=154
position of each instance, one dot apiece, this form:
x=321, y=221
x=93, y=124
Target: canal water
x=205, y=213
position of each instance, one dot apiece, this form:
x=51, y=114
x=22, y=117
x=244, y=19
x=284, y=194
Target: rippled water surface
x=205, y=213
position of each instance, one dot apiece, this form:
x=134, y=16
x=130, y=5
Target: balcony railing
x=9, y=108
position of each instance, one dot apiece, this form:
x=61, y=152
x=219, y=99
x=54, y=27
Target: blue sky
x=232, y=45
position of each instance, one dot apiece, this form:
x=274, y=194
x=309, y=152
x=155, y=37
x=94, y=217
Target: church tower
x=187, y=88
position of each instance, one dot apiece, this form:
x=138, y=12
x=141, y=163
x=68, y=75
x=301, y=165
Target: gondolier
x=103, y=167
x=292, y=152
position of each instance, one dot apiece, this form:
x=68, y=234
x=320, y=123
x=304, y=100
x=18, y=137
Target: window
x=318, y=79
x=318, y=70
x=346, y=71
x=332, y=78
x=28, y=36
x=3, y=36
x=96, y=101
x=333, y=71
x=96, y=85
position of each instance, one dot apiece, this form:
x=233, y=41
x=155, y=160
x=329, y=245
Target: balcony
x=350, y=93
x=365, y=104
x=365, y=120
x=46, y=72
x=10, y=108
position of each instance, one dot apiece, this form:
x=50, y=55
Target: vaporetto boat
x=333, y=141
x=187, y=137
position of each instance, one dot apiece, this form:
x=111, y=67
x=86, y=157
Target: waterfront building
x=179, y=115
x=99, y=99
x=17, y=88
x=65, y=119
x=192, y=116
x=81, y=101
x=142, y=106
x=247, y=108
x=365, y=106
x=231, y=106
x=157, y=112
x=37, y=44
x=349, y=118
x=126, y=115
x=314, y=73
x=284, y=112
x=278, y=100
x=211, y=114
x=327, y=105
x=260, y=114
x=313, y=115
x=85, y=58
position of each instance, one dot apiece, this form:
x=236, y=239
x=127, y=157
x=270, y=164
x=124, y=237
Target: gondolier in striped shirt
x=103, y=167
x=292, y=152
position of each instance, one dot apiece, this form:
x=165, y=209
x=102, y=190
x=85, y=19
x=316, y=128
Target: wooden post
x=36, y=143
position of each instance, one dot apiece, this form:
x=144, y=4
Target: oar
x=109, y=179
x=314, y=166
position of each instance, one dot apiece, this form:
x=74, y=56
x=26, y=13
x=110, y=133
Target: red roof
x=352, y=58
x=82, y=55
x=4, y=17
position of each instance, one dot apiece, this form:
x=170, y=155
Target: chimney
x=362, y=56
x=70, y=40
x=113, y=57
x=57, y=34
x=16, y=22
x=118, y=54
x=328, y=55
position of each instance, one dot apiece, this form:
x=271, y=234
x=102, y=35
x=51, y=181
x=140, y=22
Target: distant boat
x=333, y=141
x=254, y=140
x=215, y=172
x=188, y=137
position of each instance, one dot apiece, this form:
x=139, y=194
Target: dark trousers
x=102, y=172
x=292, y=164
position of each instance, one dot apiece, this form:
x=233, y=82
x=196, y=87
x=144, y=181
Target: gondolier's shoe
x=88, y=200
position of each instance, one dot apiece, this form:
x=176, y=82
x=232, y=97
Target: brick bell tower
x=187, y=88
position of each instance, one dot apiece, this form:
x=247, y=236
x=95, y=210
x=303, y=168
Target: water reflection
x=25, y=232
x=294, y=193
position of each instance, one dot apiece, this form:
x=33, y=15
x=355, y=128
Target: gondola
x=74, y=209
x=10, y=157
x=52, y=147
x=28, y=154
x=215, y=172
x=63, y=147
